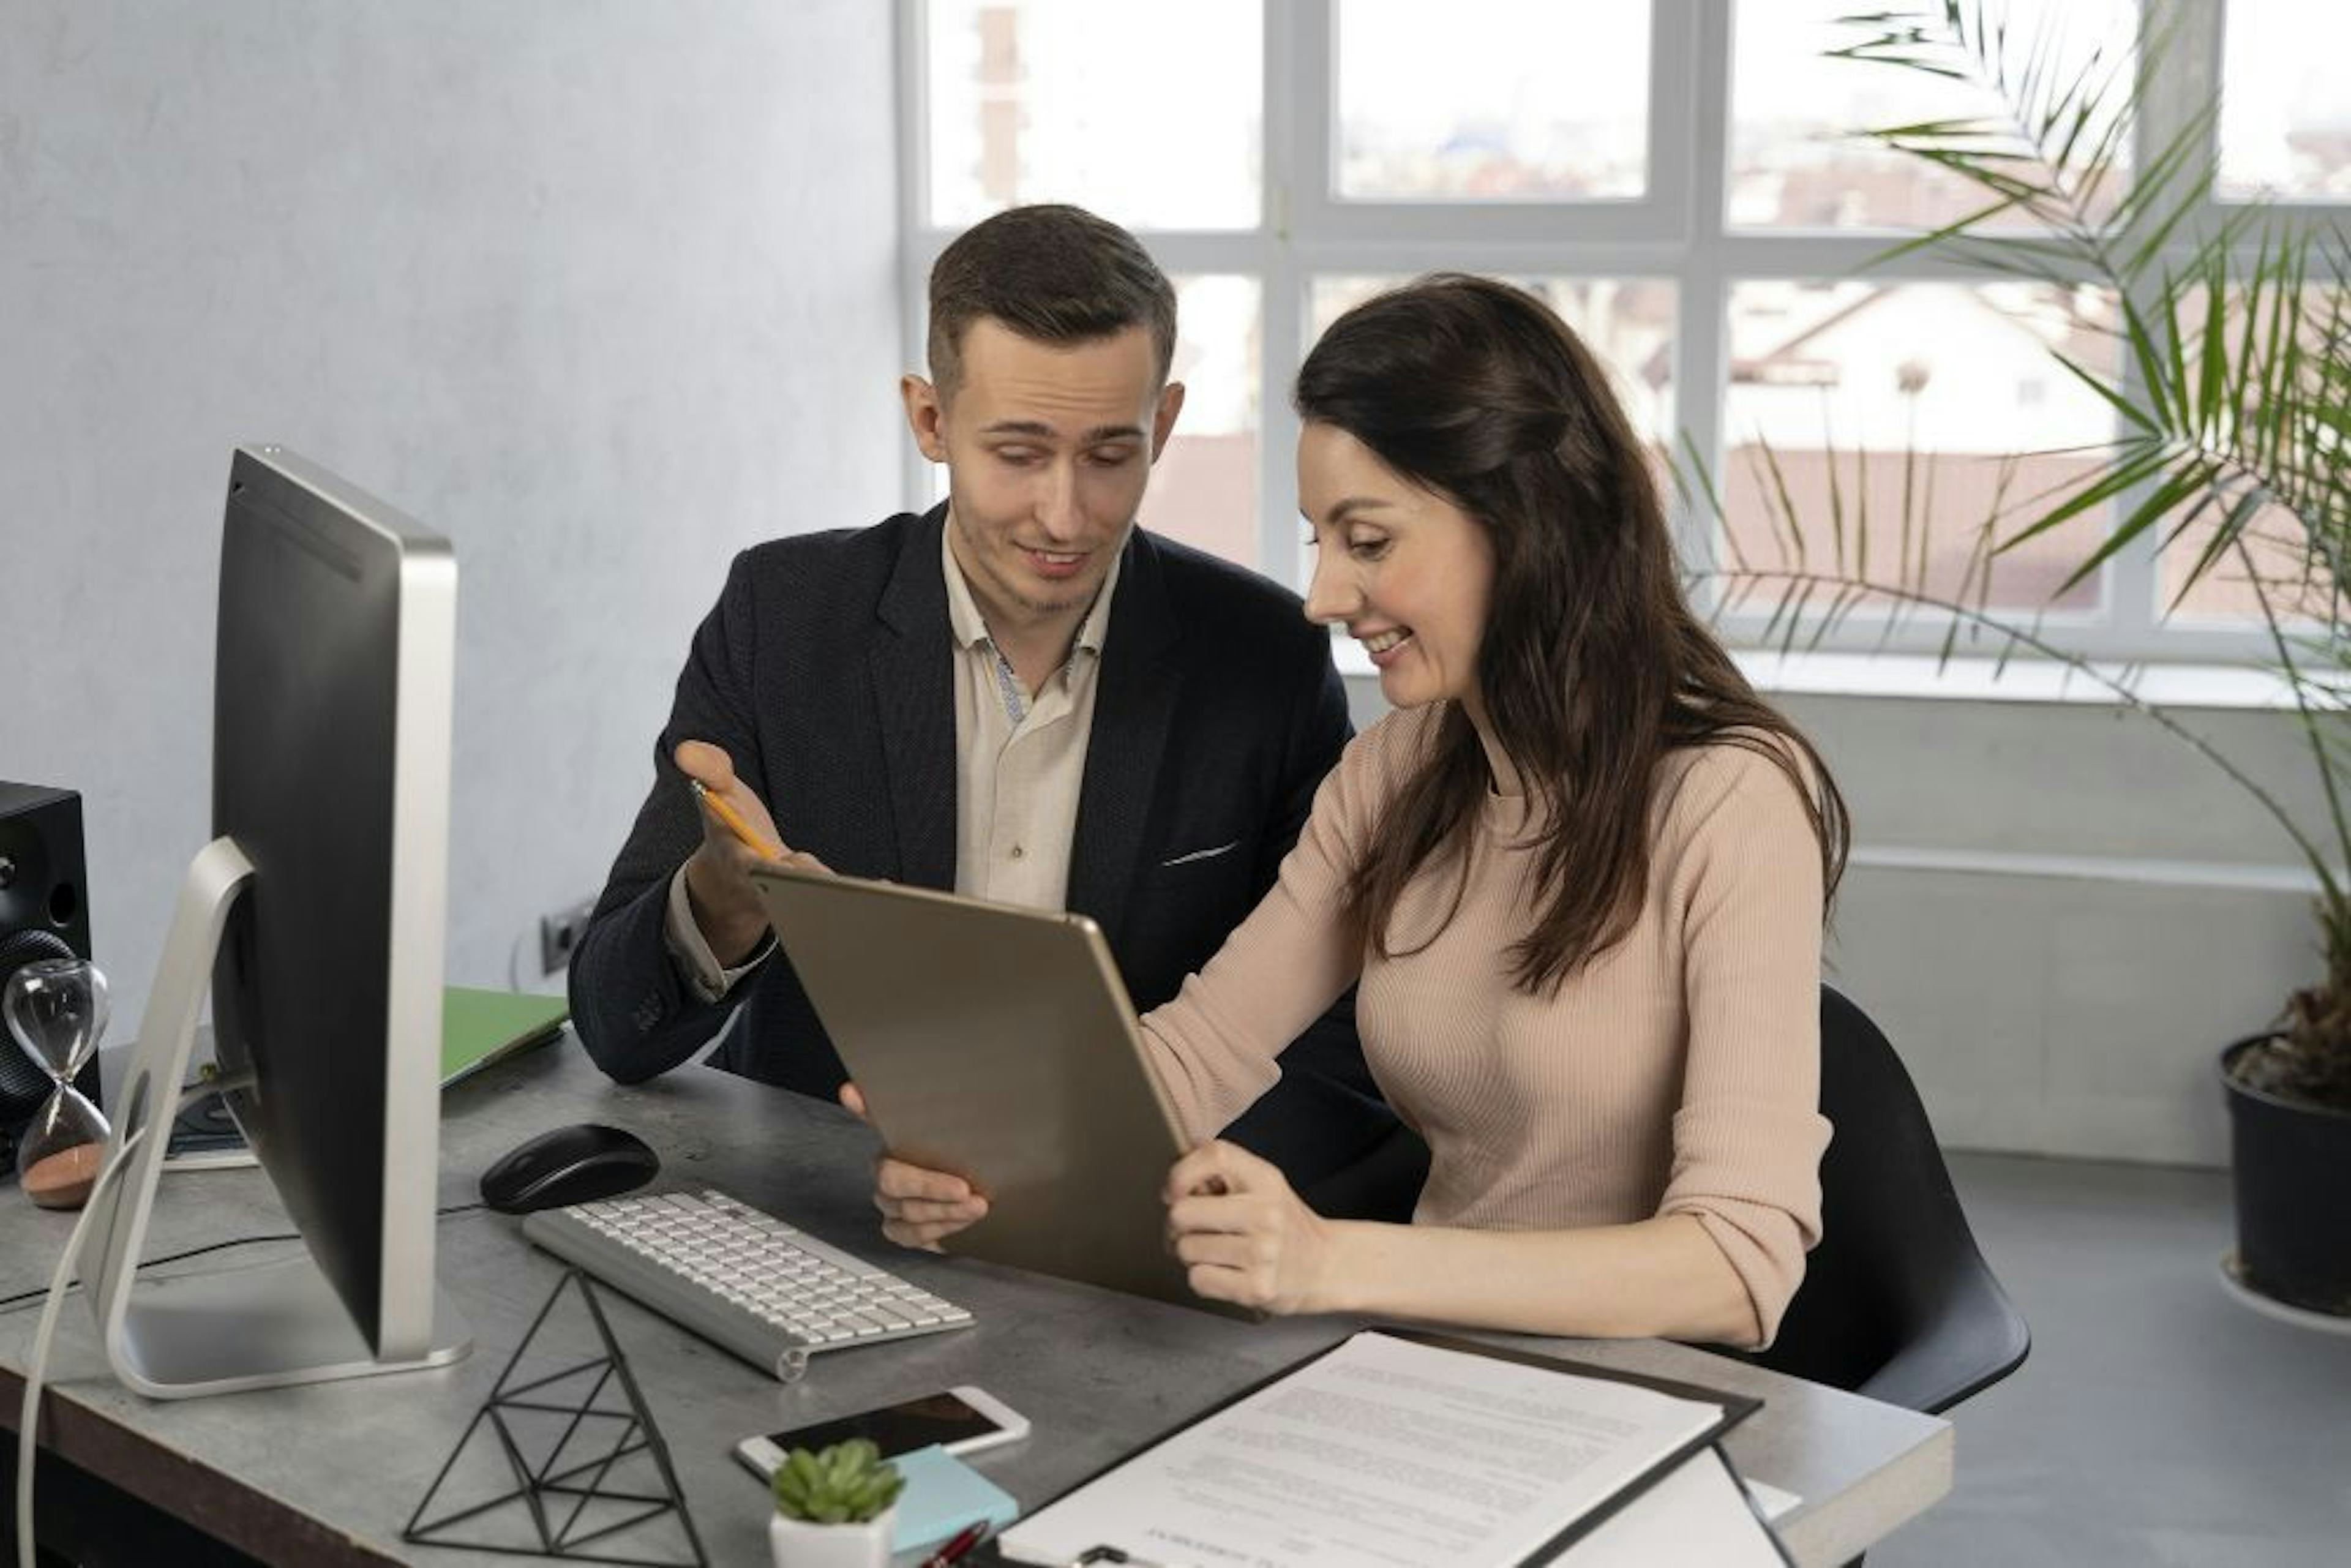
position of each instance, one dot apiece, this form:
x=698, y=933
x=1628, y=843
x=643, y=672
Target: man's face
x=1048, y=448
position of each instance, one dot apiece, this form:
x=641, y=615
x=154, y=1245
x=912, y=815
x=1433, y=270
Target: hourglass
x=57, y=1010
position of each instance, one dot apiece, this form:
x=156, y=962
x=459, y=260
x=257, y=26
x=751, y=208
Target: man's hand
x=1243, y=1235
x=726, y=909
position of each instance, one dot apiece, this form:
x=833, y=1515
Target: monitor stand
x=258, y=1327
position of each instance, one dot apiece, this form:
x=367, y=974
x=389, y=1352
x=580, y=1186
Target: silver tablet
x=997, y=1042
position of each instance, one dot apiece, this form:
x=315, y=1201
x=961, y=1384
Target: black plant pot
x=2293, y=1163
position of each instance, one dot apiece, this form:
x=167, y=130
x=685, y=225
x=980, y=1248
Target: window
x=1669, y=176
x=1629, y=322
x=1792, y=164
x=1062, y=100
x=2285, y=117
x=1880, y=400
x=1428, y=113
x=1204, y=490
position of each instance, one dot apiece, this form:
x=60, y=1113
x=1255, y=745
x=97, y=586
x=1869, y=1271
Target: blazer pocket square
x=1201, y=855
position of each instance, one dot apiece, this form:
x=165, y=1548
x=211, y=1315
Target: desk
x=327, y=1475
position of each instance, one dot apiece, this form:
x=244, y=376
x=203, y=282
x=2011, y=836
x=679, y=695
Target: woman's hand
x=919, y=1206
x=1244, y=1235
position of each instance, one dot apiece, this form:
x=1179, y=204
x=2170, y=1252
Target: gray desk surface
x=330, y=1474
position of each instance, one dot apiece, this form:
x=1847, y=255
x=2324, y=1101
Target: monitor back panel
x=331, y=769
x=999, y=1043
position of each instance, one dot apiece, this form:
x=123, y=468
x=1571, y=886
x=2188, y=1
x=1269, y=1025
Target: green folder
x=478, y=1028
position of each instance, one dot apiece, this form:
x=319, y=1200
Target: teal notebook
x=943, y=1495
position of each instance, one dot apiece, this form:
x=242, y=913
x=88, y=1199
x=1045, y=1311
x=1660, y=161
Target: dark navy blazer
x=825, y=671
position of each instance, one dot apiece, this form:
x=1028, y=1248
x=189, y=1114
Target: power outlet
x=559, y=932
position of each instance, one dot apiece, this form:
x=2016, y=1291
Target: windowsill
x=1968, y=679
x=2019, y=680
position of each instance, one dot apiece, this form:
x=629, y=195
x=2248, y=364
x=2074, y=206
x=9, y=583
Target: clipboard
x=996, y=1042
x=1703, y=1443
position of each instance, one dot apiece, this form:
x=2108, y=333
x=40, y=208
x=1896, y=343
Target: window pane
x=2274, y=564
x=1205, y=488
x=1962, y=375
x=2285, y=112
x=1505, y=99
x=1152, y=121
x=1628, y=322
x=1794, y=163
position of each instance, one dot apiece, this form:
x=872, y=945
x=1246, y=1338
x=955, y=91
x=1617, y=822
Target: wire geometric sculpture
x=585, y=1475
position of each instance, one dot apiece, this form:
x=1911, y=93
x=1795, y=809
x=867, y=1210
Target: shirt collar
x=963, y=612
x=970, y=628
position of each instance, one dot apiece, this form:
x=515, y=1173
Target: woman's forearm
x=1662, y=1277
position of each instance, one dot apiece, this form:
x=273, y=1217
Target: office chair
x=1382, y=1184
x=1896, y=1302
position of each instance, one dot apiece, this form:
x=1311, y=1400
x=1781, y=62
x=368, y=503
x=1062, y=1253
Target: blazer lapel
x=911, y=662
x=1134, y=708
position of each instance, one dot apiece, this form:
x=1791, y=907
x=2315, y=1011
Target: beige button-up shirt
x=1020, y=761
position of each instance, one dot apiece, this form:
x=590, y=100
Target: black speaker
x=43, y=914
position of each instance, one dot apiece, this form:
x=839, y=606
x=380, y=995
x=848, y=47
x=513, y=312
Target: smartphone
x=960, y=1420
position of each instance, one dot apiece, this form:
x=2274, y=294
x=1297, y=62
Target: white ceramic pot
x=797, y=1544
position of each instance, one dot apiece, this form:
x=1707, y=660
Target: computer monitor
x=315, y=918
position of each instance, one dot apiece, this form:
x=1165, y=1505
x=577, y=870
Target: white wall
x=602, y=289
x=2059, y=914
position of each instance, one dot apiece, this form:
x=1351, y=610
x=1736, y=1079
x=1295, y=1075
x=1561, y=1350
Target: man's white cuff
x=697, y=965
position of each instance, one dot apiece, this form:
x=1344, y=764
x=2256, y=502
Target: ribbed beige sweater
x=1678, y=1073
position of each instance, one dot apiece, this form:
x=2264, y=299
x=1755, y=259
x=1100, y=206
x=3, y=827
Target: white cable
x=28, y=1437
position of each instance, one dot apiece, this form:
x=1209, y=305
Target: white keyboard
x=740, y=1277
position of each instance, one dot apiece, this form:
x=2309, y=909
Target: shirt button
x=1018, y=852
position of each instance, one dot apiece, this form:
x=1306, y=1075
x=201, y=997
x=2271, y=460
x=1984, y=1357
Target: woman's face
x=1404, y=570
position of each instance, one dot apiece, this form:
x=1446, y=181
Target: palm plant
x=2232, y=426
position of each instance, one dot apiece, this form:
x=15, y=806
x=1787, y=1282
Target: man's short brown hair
x=1052, y=274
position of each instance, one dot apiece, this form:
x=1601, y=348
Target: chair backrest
x=1896, y=1304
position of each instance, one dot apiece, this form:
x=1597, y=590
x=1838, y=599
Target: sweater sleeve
x=1214, y=1044
x=1748, y=1136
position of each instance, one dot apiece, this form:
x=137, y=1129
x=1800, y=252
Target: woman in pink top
x=1580, y=877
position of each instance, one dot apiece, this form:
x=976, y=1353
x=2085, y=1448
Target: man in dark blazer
x=1177, y=712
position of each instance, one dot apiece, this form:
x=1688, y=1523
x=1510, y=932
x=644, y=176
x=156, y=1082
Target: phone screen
x=895, y=1429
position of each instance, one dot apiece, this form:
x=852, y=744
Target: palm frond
x=2230, y=398
x=1969, y=620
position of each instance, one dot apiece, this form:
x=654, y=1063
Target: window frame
x=1678, y=229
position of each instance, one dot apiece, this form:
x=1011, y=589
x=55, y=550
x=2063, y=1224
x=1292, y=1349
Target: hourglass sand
x=57, y=1010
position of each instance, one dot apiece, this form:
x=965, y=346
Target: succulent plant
x=847, y=1483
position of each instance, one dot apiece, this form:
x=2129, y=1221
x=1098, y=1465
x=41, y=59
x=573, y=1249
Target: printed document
x=1386, y=1451
x=1695, y=1518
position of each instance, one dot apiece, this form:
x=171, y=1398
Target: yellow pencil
x=734, y=821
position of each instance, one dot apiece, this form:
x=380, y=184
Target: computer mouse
x=569, y=1165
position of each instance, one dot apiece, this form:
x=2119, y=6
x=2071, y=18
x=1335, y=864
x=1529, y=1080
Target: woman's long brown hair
x=1592, y=667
